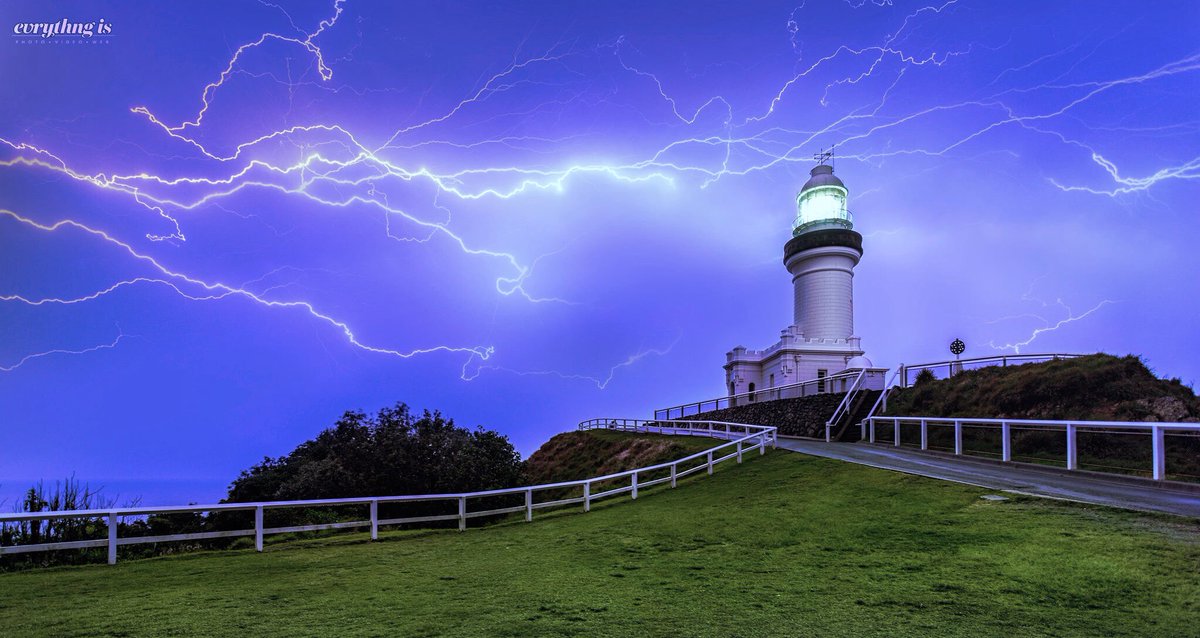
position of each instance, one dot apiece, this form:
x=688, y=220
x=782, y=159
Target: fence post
x=739, y=449
x=710, y=462
x=528, y=505
x=762, y=444
x=1072, y=452
x=673, y=475
x=862, y=430
x=872, y=428
x=635, y=485
x=1158, y=452
x=896, y=433
x=924, y=435
x=1005, y=441
x=112, y=538
x=587, y=496
x=258, y=528
x=958, y=437
x=827, y=431
x=462, y=513
x=374, y=520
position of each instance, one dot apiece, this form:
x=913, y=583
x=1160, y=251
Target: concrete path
x=1017, y=479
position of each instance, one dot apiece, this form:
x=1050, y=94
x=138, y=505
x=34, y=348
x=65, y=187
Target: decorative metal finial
x=957, y=347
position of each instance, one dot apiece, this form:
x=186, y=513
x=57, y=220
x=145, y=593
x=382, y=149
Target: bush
x=392, y=453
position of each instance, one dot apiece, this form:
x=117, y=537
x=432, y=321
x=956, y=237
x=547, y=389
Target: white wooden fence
x=742, y=438
x=1070, y=429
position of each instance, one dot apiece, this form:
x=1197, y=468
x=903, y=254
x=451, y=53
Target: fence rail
x=954, y=366
x=1071, y=429
x=741, y=438
x=839, y=382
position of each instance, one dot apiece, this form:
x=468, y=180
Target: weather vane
x=825, y=156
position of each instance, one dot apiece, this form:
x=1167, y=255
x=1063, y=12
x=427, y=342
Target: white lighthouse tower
x=821, y=256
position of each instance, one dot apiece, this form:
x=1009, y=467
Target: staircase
x=859, y=409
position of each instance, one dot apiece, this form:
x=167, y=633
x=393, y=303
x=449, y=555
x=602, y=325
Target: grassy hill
x=1097, y=387
x=580, y=454
x=783, y=545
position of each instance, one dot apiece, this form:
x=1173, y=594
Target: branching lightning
x=330, y=164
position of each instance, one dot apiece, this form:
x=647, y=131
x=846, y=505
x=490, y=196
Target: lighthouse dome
x=822, y=175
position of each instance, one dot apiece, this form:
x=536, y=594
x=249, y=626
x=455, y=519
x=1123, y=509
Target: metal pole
x=635, y=485
x=528, y=505
x=958, y=437
x=1005, y=441
x=374, y=520
x=872, y=427
x=462, y=513
x=896, y=433
x=924, y=435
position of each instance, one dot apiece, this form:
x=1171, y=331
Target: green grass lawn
x=784, y=545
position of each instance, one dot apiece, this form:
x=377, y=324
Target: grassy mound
x=785, y=545
x=575, y=455
x=1098, y=387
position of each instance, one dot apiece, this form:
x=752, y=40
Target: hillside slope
x=786, y=545
x=1098, y=387
x=575, y=455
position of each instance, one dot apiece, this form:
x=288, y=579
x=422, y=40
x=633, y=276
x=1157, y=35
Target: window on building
x=732, y=389
x=772, y=380
x=821, y=374
x=751, y=391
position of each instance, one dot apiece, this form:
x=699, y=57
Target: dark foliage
x=392, y=453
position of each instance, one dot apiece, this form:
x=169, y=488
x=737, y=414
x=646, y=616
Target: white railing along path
x=1070, y=429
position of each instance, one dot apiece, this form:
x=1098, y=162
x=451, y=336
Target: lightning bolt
x=37, y=355
x=600, y=383
x=1047, y=326
x=217, y=290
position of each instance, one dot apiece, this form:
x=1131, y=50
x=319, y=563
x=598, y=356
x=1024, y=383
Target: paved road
x=1006, y=478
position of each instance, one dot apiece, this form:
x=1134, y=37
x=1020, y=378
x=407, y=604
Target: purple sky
x=531, y=215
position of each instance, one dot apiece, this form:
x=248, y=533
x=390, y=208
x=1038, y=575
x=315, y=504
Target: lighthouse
x=820, y=255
